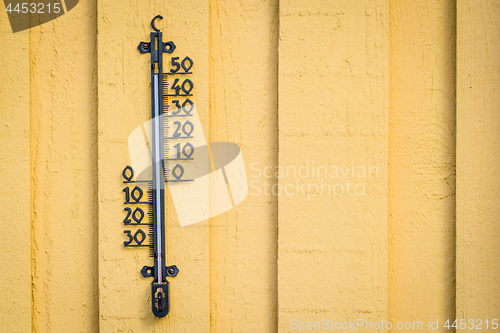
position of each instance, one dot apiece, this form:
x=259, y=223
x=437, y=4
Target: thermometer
x=160, y=140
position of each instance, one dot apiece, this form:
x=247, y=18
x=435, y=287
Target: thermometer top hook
x=153, y=22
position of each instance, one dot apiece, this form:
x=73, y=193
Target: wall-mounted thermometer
x=160, y=171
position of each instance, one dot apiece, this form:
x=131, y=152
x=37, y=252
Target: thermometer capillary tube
x=157, y=178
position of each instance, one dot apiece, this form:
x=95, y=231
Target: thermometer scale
x=160, y=140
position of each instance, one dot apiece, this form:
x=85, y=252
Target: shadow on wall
x=28, y=14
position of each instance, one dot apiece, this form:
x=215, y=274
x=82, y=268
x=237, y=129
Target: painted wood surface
x=349, y=115
x=243, y=110
x=63, y=169
x=125, y=103
x=478, y=168
x=422, y=162
x=15, y=230
x=333, y=119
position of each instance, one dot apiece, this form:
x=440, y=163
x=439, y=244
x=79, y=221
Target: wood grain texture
x=333, y=113
x=124, y=104
x=15, y=239
x=243, y=110
x=63, y=132
x=422, y=162
x=325, y=99
x=478, y=167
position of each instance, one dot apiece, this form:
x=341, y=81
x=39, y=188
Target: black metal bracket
x=171, y=271
x=159, y=295
x=145, y=47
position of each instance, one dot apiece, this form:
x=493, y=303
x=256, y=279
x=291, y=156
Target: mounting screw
x=171, y=271
x=144, y=47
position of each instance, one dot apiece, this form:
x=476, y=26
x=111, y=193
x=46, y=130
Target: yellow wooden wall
x=478, y=168
x=49, y=103
x=15, y=209
x=333, y=111
x=409, y=88
x=421, y=161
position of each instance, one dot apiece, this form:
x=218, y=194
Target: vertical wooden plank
x=15, y=265
x=478, y=167
x=124, y=104
x=243, y=110
x=422, y=162
x=64, y=169
x=333, y=119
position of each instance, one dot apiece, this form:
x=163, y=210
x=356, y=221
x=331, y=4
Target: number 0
x=183, y=64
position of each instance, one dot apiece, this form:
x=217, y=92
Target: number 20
x=184, y=129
